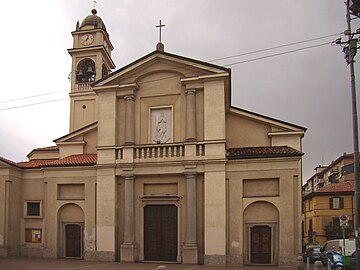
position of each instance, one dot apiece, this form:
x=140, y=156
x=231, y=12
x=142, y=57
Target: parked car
x=313, y=253
x=337, y=245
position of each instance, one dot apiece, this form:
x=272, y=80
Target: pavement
x=24, y=263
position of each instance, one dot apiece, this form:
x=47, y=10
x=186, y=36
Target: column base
x=127, y=253
x=190, y=254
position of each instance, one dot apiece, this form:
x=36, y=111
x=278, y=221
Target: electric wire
x=28, y=97
x=32, y=104
x=275, y=47
x=278, y=54
x=224, y=58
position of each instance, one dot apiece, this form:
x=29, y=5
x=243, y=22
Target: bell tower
x=91, y=61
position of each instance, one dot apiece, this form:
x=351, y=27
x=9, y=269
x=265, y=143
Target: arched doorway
x=71, y=226
x=261, y=233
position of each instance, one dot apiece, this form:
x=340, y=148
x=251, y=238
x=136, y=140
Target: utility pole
x=350, y=52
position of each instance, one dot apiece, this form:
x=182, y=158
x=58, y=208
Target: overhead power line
x=278, y=54
x=40, y=95
x=224, y=58
x=275, y=47
x=32, y=104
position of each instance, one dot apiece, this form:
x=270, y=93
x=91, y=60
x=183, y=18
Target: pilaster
x=130, y=120
x=215, y=216
x=190, y=115
x=128, y=248
x=190, y=248
x=106, y=216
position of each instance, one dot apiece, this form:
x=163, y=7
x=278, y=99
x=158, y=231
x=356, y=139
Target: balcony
x=160, y=152
x=84, y=86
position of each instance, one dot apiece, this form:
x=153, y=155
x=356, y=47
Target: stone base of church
x=106, y=256
x=288, y=260
x=50, y=253
x=190, y=254
x=127, y=253
x=3, y=252
x=32, y=252
x=215, y=259
x=90, y=255
x=234, y=260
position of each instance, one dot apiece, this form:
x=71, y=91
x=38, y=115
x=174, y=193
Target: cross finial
x=160, y=25
x=95, y=3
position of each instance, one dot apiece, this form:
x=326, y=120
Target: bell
x=80, y=76
x=90, y=72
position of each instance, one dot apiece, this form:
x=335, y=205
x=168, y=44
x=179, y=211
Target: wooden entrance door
x=261, y=245
x=160, y=233
x=73, y=240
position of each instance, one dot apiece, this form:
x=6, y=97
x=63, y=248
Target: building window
x=32, y=235
x=336, y=203
x=33, y=209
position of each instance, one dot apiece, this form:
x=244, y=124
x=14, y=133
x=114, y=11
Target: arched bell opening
x=85, y=71
x=104, y=71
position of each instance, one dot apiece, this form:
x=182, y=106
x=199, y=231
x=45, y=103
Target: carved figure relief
x=161, y=125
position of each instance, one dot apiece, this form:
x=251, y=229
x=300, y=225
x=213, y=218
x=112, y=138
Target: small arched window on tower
x=104, y=71
x=85, y=71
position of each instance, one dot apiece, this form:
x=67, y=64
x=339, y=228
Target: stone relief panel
x=161, y=125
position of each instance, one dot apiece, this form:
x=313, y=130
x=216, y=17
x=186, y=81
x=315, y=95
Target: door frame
x=251, y=243
x=159, y=200
x=274, y=239
x=63, y=233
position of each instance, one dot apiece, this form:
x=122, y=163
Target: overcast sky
x=309, y=87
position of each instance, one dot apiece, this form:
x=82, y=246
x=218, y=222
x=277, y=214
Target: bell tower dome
x=91, y=61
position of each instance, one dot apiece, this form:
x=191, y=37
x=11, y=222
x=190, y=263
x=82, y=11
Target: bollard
x=307, y=263
x=318, y=265
x=161, y=267
x=299, y=263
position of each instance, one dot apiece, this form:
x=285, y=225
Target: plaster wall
x=284, y=229
x=244, y=132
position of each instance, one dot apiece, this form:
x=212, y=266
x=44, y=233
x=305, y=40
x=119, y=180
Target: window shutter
x=331, y=203
x=341, y=202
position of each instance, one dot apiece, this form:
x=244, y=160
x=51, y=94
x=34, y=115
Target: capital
x=129, y=98
x=190, y=91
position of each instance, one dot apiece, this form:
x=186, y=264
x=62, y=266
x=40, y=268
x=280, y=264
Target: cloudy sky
x=283, y=64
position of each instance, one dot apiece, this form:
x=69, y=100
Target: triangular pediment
x=76, y=135
x=160, y=62
x=80, y=141
x=276, y=124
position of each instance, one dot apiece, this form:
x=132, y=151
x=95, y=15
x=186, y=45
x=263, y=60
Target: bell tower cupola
x=91, y=61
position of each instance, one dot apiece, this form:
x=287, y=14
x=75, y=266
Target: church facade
x=157, y=166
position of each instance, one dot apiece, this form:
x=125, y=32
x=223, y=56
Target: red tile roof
x=347, y=186
x=262, y=152
x=8, y=161
x=48, y=148
x=74, y=160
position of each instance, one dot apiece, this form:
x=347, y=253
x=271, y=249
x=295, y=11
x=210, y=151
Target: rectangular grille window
x=33, y=209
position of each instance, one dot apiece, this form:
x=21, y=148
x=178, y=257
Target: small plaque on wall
x=161, y=125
